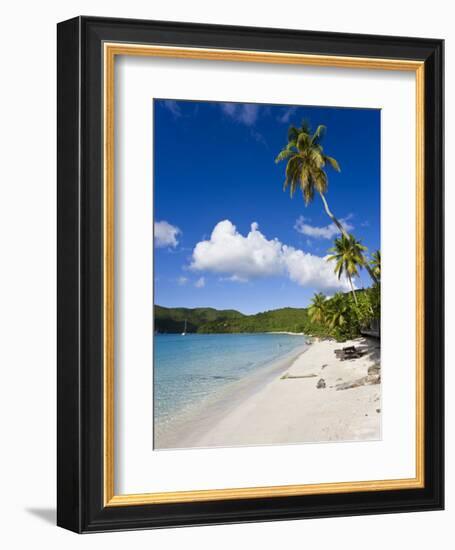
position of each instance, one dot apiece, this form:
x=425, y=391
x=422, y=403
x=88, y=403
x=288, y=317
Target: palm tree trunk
x=371, y=273
x=332, y=217
x=344, y=232
x=352, y=290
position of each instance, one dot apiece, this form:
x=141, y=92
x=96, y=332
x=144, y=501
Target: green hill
x=173, y=319
x=210, y=320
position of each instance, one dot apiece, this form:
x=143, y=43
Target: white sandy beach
x=288, y=407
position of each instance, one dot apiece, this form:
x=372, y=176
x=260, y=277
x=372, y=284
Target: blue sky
x=226, y=235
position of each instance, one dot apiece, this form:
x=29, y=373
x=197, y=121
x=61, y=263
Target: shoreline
x=287, y=332
x=281, y=403
x=233, y=333
x=201, y=416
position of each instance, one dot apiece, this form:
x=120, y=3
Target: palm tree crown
x=338, y=311
x=318, y=308
x=306, y=162
x=375, y=264
x=348, y=255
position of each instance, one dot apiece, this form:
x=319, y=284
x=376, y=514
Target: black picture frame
x=80, y=475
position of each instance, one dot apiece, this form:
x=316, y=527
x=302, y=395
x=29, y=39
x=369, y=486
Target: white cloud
x=166, y=234
x=228, y=252
x=242, y=258
x=309, y=270
x=235, y=279
x=246, y=113
x=172, y=106
x=321, y=232
x=285, y=117
x=200, y=283
x=181, y=281
x=257, y=136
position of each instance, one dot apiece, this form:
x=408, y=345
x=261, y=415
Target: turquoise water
x=189, y=369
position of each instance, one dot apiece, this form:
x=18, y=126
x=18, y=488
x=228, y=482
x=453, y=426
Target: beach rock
x=321, y=384
x=374, y=369
x=364, y=381
x=374, y=379
x=350, y=385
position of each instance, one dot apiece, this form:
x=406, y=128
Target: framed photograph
x=250, y=274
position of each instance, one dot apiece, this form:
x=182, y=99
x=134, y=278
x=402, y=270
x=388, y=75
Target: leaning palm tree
x=306, y=165
x=348, y=255
x=318, y=308
x=375, y=264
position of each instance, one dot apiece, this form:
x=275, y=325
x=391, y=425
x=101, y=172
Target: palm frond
x=339, y=267
x=284, y=154
x=293, y=134
x=318, y=134
x=308, y=194
x=333, y=163
x=320, y=180
x=316, y=157
x=292, y=173
x=303, y=142
x=304, y=178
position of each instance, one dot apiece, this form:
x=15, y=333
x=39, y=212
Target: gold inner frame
x=110, y=51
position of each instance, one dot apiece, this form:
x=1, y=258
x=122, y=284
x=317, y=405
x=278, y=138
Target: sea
x=194, y=369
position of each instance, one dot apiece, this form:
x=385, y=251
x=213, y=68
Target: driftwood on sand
x=291, y=376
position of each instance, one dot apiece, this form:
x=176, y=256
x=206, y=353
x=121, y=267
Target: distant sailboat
x=184, y=330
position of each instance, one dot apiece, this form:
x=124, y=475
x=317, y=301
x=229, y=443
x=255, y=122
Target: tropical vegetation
x=306, y=169
x=341, y=317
